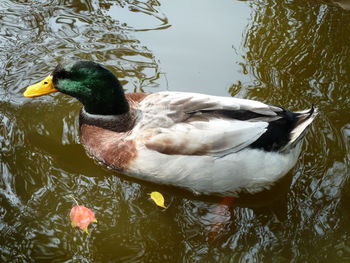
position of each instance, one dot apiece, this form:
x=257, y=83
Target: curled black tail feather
x=284, y=133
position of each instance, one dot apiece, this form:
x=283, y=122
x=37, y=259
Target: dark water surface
x=292, y=53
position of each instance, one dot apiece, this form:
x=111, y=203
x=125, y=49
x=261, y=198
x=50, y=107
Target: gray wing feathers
x=168, y=127
x=216, y=137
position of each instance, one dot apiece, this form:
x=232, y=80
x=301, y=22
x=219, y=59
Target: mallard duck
x=207, y=144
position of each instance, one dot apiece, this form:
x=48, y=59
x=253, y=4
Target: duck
x=209, y=145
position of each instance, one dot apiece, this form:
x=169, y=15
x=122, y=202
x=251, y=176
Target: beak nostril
x=45, y=82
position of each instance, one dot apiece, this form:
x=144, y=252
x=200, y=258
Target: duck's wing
x=197, y=124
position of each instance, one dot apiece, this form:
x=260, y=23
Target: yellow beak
x=41, y=88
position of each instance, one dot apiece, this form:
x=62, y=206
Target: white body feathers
x=182, y=141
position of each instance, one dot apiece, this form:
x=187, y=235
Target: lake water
x=293, y=53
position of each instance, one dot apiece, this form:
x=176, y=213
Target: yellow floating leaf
x=158, y=199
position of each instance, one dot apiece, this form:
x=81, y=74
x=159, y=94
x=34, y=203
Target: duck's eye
x=46, y=82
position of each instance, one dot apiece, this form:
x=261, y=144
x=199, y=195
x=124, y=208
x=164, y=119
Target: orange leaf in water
x=81, y=217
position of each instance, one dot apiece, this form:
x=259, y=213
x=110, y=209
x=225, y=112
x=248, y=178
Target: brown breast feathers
x=111, y=147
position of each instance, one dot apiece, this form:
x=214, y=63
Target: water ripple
x=293, y=53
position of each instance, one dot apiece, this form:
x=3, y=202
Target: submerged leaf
x=81, y=217
x=158, y=199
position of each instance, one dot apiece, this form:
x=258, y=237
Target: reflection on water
x=72, y=29
x=292, y=53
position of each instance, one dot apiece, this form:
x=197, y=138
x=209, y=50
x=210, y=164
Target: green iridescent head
x=92, y=84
